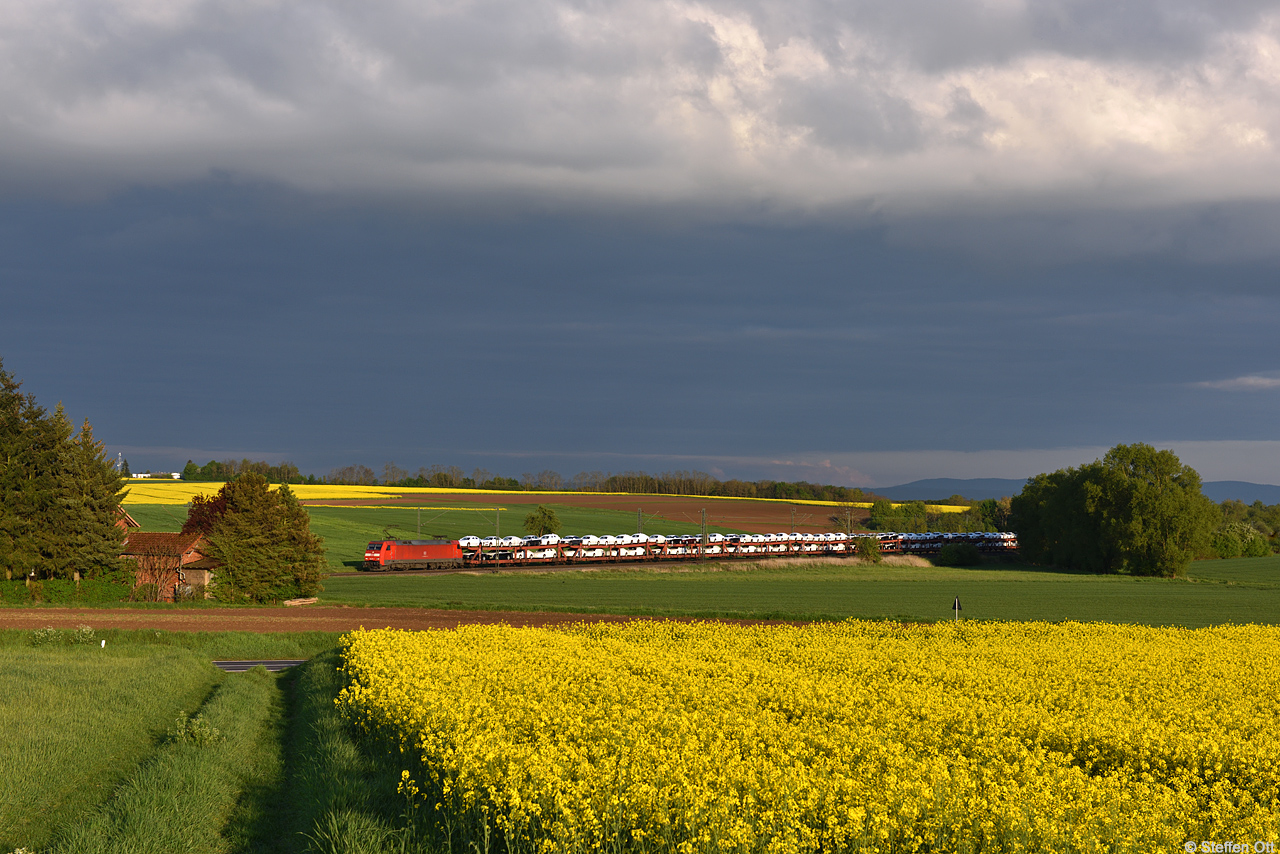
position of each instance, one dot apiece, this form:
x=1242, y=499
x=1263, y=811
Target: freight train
x=413, y=554
x=552, y=549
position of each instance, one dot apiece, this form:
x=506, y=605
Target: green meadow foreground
x=143, y=746
x=1239, y=591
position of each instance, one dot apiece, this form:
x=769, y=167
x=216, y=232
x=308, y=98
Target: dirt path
x=305, y=619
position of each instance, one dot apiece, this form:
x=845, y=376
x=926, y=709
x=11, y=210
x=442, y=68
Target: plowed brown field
x=760, y=517
x=304, y=619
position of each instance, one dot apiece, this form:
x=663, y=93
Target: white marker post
x=956, y=608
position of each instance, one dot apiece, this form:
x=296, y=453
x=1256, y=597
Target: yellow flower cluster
x=675, y=737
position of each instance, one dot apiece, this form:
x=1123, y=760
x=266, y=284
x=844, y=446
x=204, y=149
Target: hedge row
x=61, y=592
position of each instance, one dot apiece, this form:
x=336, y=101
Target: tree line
x=915, y=517
x=1137, y=510
x=1097, y=518
x=697, y=483
x=227, y=470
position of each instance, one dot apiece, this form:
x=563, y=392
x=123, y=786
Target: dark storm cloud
x=237, y=317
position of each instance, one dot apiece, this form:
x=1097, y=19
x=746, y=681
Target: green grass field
x=1218, y=592
x=77, y=717
x=1259, y=571
x=94, y=761
x=1240, y=591
x=347, y=530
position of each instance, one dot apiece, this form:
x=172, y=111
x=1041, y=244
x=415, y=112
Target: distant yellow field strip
x=147, y=491
x=408, y=507
x=180, y=492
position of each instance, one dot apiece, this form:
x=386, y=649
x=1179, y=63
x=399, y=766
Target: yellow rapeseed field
x=857, y=736
x=180, y=492
x=148, y=491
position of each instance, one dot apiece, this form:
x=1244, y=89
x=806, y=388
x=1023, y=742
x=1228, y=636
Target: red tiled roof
x=137, y=543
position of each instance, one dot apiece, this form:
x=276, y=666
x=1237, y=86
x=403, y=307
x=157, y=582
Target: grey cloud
x=1046, y=232
x=970, y=120
x=1251, y=382
x=852, y=114
x=670, y=338
x=1154, y=31
x=941, y=34
x=761, y=234
x=723, y=103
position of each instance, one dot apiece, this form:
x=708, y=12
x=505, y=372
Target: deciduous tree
x=1137, y=510
x=357, y=475
x=869, y=549
x=909, y=516
x=157, y=563
x=846, y=518
x=542, y=521
x=262, y=540
x=1154, y=517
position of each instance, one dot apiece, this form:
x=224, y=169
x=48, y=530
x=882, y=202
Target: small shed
x=171, y=561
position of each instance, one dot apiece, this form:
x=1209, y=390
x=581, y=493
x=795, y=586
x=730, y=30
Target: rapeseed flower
x=664, y=737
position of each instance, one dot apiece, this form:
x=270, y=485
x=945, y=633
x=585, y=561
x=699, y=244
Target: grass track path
x=181, y=798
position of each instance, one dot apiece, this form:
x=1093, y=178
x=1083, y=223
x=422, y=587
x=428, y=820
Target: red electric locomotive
x=412, y=554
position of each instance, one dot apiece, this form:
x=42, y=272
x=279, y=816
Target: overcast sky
x=852, y=242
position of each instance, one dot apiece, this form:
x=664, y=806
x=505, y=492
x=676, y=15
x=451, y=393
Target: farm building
x=172, y=562
x=125, y=521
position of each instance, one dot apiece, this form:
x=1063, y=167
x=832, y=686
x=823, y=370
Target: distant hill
x=979, y=488
x=935, y=489
x=1223, y=490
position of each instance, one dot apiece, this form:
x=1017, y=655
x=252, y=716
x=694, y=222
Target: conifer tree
x=95, y=486
x=59, y=495
x=12, y=526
